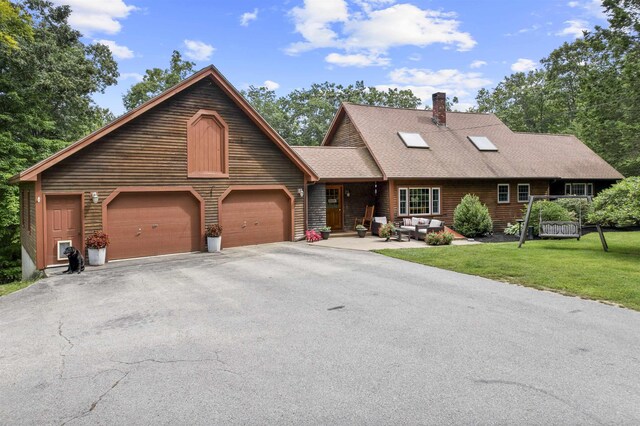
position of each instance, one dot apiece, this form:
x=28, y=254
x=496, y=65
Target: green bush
x=575, y=206
x=512, y=229
x=442, y=238
x=551, y=211
x=387, y=230
x=471, y=218
x=618, y=205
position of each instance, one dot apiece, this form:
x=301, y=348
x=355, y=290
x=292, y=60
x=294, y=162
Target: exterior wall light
x=94, y=197
x=347, y=193
x=301, y=192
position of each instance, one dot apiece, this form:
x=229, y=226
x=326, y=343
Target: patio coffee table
x=400, y=232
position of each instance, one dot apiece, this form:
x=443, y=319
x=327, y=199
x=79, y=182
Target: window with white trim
x=418, y=201
x=503, y=193
x=578, y=189
x=523, y=192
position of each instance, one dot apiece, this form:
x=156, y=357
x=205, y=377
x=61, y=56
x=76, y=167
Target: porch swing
x=560, y=228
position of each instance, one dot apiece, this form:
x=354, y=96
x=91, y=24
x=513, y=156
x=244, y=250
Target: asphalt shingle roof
x=451, y=154
x=339, y=162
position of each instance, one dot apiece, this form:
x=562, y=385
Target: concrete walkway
x=376, y=243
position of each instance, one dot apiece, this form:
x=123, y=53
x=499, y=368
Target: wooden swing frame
x=577, y=234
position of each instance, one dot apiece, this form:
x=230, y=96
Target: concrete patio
x=376, y=243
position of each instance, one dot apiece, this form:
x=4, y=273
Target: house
x=409, y=162
x=153, y=178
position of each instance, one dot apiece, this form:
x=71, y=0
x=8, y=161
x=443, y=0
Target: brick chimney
x=439, y=108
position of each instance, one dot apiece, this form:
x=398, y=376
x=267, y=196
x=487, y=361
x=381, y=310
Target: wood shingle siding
x=28, y=218
x=151, y=150
x=346, y=135
x=452, y=191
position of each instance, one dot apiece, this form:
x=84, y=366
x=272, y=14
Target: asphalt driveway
x=297, y=334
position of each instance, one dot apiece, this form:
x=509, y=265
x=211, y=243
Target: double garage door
x=154, y=223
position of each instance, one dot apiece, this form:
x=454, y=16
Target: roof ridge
x=415, y=109
x=328, y=146
x=545, y=134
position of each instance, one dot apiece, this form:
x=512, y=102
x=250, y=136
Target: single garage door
x=255, y=217
x=153, y=223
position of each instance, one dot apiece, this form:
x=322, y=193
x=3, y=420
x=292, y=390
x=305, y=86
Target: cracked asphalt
x=296, y=334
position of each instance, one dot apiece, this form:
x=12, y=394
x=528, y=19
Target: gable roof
x=342, y=163
x=211, y=72
x=452, y=155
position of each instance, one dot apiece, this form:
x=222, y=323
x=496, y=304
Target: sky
x=457, y=47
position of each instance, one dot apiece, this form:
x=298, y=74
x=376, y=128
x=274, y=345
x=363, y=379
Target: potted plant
x=387, y=231
x=325, y=231
x=361, y=230
x=214, y=238
x=97, y=246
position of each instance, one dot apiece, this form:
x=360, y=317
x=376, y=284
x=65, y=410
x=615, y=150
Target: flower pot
x=214, y=244
x=98, y=256
x=361, y=232
x=325, y=234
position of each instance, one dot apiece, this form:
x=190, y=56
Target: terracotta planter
x=214, y=244
x=97, y=257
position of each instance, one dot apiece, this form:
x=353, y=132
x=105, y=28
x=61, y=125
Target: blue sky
x=425, y=45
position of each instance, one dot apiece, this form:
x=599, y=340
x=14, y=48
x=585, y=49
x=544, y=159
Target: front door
x=64, y=226
x=334, y=207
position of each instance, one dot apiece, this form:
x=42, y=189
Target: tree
x=303, y=116
x=156, y=81
x=618, y=205
x=47, y=77
x=588, y=87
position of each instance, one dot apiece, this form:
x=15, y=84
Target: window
x=503, y=193
x=413, y=140
x=418, y=201
x=207, y=146
x=482, y=143
x=523, y=192
x=578, y=189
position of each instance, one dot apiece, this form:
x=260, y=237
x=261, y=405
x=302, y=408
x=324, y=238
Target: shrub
x=214, y=230
x=575, y=206
x=471, y=217
x=442, y=238
x=361, y=228
x=618, y=205
x=325, y=229
x=387, y=230
x=512, y=229
x=97, y=240
x=549, y=210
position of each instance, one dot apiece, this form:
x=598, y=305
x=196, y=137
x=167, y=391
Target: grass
x=579, y=268
x=14, y=286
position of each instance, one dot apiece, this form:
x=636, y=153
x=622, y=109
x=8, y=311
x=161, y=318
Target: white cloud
x=247, y=17
x=591, y=7
x=91, y=16
x=424, y=82
x=477, y=64
x=198, y=50
x=118, y=51
x=371, y=31
x=131, y=75
x=357, y=60
x=313, y=21
x=271, y=85
x=574, y=28
x=523, y=65
x=415, y=57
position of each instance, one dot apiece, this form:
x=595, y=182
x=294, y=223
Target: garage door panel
x=255, y=217
x=150, y=224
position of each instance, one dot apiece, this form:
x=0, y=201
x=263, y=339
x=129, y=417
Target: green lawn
x=579, y=268
x=14, y=286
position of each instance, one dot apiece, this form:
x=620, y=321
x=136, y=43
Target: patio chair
x=433, y=226
x=366, y=219
x=377, y=224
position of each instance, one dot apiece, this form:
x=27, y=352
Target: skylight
x=413, y=140
x=482, y=143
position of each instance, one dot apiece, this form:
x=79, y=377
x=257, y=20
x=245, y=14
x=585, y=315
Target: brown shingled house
x=410, y=162
x=153, y=178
